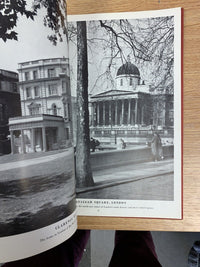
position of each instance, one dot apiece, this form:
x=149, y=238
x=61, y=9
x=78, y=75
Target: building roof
x=127, y=69
x=6, y=75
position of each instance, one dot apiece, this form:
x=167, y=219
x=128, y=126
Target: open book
x=90, y=121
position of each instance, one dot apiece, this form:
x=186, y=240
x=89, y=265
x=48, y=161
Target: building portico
x=132, y=110
x=120, y=108
x=37, y=133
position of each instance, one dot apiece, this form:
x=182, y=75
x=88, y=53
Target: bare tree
x=149, y=41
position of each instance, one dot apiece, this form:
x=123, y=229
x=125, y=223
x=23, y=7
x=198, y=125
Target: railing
x=130, y=133
x=34, y=116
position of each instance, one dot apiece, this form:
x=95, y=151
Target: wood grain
x=191, y=115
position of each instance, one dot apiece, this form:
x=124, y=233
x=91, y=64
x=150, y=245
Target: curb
x=103, y=185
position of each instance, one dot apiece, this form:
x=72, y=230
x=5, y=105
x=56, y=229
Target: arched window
x=54, y=109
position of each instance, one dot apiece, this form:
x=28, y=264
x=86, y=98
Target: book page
x=37, y=184
x=135, y=114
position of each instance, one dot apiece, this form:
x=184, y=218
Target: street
x=143, y=181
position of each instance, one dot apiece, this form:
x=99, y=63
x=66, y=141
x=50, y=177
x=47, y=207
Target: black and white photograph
x=126, y=69
x=37, y=184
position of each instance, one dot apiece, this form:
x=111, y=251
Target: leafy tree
x=55, y=17
x=11, y=10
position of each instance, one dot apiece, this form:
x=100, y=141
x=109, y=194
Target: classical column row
x=118, y=117
x=23, y=144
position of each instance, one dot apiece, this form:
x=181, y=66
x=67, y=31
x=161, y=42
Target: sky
x=32, y=44
x=99, y=55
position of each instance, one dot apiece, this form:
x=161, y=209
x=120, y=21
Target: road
x=144, y=181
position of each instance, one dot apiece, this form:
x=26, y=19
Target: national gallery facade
x=132, y=109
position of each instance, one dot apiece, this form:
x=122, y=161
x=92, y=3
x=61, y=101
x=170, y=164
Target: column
x=136, y=111
x=104, y=113
x=122, y=119
x=110, y=113
x=12, y=142
x=98, y=113
x=116, y=111
x=23, y=150
x=33, y=140
x=129, y=112
x=95, y=114
x=142, y=114
x=44, y=141
x=92, y=114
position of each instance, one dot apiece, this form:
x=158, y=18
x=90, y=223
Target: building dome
x=128, y=69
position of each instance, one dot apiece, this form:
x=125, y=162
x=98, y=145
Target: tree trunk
x=83, y=168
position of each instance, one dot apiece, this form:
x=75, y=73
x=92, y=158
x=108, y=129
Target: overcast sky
x=32, y=44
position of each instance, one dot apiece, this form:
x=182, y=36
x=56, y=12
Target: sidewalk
x=125, y=174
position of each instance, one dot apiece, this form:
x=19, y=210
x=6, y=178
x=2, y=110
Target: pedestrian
x=97, y=143
x=156, y=147
x=123, y=144
x=92, y=144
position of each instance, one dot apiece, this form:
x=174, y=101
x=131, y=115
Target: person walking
x=156, y=147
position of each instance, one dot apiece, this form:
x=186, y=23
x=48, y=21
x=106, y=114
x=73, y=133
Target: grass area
x=55, y=166
x=16, y=188
x=36, y=195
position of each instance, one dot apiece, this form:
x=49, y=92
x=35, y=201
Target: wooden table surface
x=191, y=114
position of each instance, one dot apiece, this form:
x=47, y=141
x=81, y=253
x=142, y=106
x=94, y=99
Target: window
x=121, y=82
x=53, y=90
x=171, y=105
x=34, y=109
x=131, y=81
x=64, y=87
x=1, y=112
x=67, y=133
x=14, y=87
x=28, y=92
x=27, y=76
x=35, y=74
x=54, y=108
x=37, y=91
x=69, y=111
x=51, y=73
x=171, y=115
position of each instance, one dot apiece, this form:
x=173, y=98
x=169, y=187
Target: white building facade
x=45, y=98
x=132, y=110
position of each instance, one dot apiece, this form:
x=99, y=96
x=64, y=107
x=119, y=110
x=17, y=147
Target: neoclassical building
x=45, y=104
x=9, y=106
x=131, y=109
